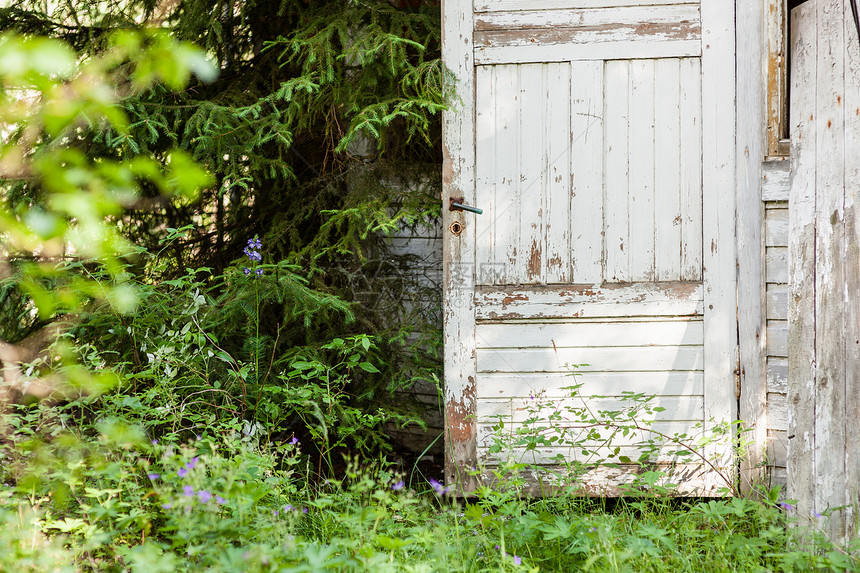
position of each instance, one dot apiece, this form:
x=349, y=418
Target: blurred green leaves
x=62, y=233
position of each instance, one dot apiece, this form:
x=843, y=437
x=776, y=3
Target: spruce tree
x=322, y=133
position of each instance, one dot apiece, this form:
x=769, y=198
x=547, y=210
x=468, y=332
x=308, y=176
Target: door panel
x=563, y=183
x=586, y=148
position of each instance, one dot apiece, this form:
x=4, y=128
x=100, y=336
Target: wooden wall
x=774, y=195
x=824, y=268
x=421, y=248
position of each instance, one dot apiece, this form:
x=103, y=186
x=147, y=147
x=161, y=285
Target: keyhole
x=456, y=228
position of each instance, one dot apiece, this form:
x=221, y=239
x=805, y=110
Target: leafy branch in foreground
x=571, y=436
x=59, y=207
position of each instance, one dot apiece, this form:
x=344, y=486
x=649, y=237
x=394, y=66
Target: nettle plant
x=585, y=436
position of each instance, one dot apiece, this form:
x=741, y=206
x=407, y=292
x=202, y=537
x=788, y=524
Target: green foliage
x=109, y=499
x=59, y=205
x=195, y=354
x=236, y=357
x=560, y=440
x=321, y=134
x=299, y=82
x=371, y=61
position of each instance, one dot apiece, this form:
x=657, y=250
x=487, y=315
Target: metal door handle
x=458, y=205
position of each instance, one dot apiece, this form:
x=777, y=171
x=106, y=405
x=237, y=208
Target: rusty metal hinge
x=737, y=373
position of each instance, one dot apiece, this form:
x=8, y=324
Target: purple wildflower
x=294, y=441
x=190, y=465
x=254, y=243
x=182, y=472
x=204, y=496
x=786, y=506
x=275, y=512
x=153, y=476
x=289, y=507
x=246, y=270
x=398, y=486
x=304, y=510
x=220, y=500
x=517, y=560
x=253, y=255
x=154, y=442
x=259, y=272
x=187, y=490
x=438, y=487
x=497, y=547
x=166, y=505
x=816, y=514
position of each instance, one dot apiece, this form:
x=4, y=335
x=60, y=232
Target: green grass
x=113, y=501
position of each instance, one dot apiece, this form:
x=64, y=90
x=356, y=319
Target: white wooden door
x=599, y=141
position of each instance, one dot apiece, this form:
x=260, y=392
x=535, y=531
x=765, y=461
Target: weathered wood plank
x=458, y=176
x=507, y=204
x=511, y=5
x=775, y=180
x=646, y=19
x=617, y=171
x=777, y=412
x=510, y=432
x=598, y=33
x=571, y=410
x=635, y=359
x=778, y=476
x=547, y=385
x=777, y=338
x=801, y=213
x=585, y=301
x=531, y=102
x=776, y=227
x=752, y=402
x=776, y=66
x=485, y=173
x=777, y=448
x=776, y=265
x=777, y=301
x=587, y=191
x=718, y=201
x=557, y=157
x=830, y=424
x=777, y=375
x=691, y=480
x=667, y=170
x=691, y=169
x=591, y=455
x=587, y=46
x=590, y=334
x=851, y=289
x=427, y=252
x=641, y=182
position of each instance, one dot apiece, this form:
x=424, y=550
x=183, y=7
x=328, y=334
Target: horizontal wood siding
x=538, y=378
x=589, y=301
x=565, y=34
x=774, y=193
x=420, y=249
x=523, y=5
